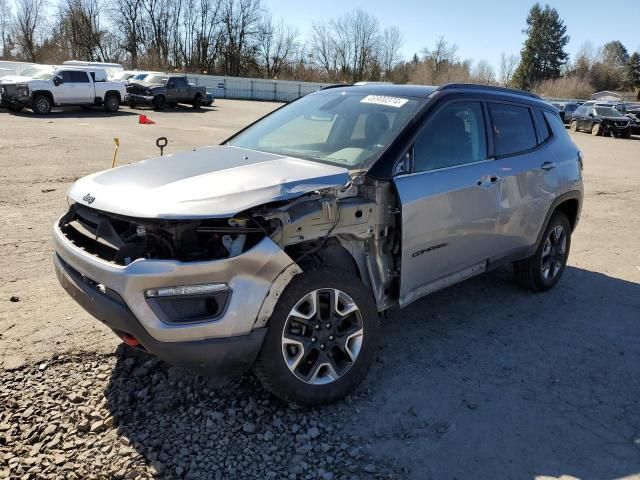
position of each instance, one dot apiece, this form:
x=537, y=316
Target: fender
x=571, y=195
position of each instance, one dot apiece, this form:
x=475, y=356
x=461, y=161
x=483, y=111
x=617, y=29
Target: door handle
x=548, y=165
x=488, y=180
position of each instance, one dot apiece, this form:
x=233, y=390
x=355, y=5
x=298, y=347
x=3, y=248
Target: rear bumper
x=216, y=356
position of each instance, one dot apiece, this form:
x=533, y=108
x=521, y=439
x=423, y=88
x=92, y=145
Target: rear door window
x=512, y=128
x=543, y=128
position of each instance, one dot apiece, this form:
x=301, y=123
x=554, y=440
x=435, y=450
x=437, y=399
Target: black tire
x=158, y=103
x=626, y=134
x=132, y=104
x=111, y=103
x=529, y=273
x=42, y=104
x=596, y=129
x=271, y=367
x=197, y=102
x=15, y=108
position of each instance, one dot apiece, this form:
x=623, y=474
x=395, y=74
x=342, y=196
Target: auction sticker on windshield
x=384, y=100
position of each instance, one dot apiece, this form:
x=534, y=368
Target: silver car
x=278, y=249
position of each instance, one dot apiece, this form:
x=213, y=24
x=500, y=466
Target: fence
x=254, y=88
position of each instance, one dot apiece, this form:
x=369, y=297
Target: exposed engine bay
x=355, y=226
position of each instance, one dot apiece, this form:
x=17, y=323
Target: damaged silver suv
x=279, y=249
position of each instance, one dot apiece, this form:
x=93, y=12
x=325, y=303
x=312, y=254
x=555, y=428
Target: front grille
x=621, y=124
x=98, y=234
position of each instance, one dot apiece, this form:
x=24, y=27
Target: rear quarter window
x=512, y=127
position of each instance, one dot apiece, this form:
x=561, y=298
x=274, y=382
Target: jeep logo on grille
x=88, y=198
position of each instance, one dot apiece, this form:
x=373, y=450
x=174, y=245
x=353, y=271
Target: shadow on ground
x=481, y=380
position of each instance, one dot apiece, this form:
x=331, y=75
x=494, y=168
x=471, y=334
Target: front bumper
x=249, y=276
x=14, y=101
x=218, y=356
x=138, y=99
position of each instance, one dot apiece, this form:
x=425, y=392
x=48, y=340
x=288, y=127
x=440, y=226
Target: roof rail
x=337, y=85
x=475, y=86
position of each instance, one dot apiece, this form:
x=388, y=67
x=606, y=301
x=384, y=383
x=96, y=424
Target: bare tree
x=29, y=22
x=391, y=43
x=322, y=47
x=483, y=73
x=276, y=45
x=442, y=55
x=80, y=28
x=127, y=16
x=507, y=68
x=5, y=23
x=240, y=20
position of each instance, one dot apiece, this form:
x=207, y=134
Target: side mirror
x=590, y=114
x=57, y=80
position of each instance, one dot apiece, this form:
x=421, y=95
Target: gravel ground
x=478, y=381
x=128, y=416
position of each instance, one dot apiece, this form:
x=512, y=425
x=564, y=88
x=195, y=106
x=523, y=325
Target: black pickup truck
x=162, y=90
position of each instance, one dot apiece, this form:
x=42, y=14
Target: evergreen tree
x=543, y=54
x=632, y=72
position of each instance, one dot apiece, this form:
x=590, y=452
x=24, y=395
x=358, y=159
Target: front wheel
x=42, y=104
x=197, y=102
x=543, y=270
x=596, y=130
x=321, y=339
x=15, y=108
x=574, y=126
x=158, y=103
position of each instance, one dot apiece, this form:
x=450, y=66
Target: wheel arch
x=569, y=203
x=113, y=92
x=47, y=93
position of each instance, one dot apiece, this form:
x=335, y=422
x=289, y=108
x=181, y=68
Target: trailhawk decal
x=395, y=102
x=427, y=250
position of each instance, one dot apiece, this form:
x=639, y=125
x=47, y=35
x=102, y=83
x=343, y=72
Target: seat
x=375, y=127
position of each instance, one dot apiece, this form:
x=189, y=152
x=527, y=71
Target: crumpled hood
x=10, y=79
x=208, y=182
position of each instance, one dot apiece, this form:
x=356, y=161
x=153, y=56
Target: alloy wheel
x=322, y=336
x=554, y=253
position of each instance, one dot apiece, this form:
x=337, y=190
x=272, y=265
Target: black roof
x=421, y=91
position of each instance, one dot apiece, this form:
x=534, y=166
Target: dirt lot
x=481, y=380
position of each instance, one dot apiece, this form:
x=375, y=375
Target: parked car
x=633, y=112
x=208, y=101
x=162, y=90
x=49, y=86
x=566, y=111
x=278, y=249
x=601, y=121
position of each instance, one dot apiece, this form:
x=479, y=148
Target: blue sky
x=481, y=29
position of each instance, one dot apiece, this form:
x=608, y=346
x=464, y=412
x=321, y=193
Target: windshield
x=156, y=79
x=37, y=73
x=349, y=130
x=140, y=76
x=608, y=112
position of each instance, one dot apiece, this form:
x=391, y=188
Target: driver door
x=450, y=201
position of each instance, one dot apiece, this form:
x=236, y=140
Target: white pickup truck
x=49, y=86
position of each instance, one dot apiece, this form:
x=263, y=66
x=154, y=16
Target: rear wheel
x=596, y=129
x=42, y=104
x=111, y=103
x=321, y=338
x=574, y=126
x=544, y=269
